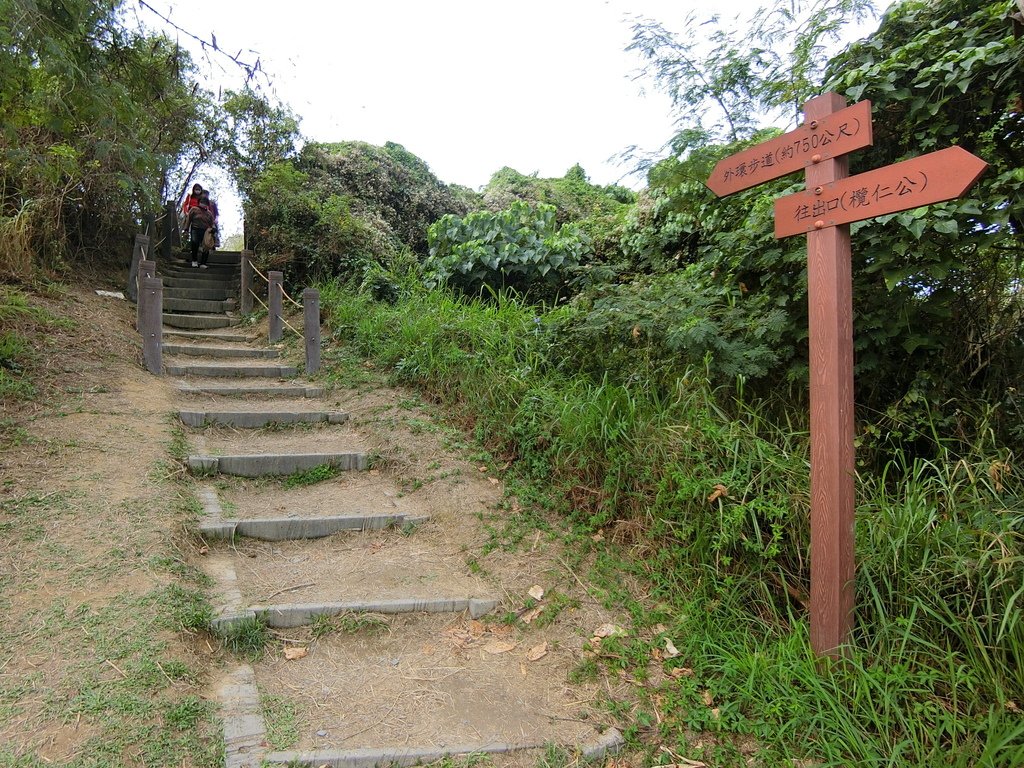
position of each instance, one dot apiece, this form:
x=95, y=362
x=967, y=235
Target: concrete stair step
x=210, y=283
x=198, y=294
x=274, y=464
x=231, y=371
x=401, y=756
x=293, y=528
x=258, y=419
x=218, y=258
x=430, y=687
x=198, y=322
x=196, y=350
x=287, y=583
x=197, y=305
x=180, y=333
x=251, y=390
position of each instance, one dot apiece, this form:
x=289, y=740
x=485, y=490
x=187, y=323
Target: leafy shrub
x=518, y=248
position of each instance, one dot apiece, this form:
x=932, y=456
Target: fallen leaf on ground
x=599, y=536
x=659, y=629
x=609, y=630
x=707, y=698
x=295, y=652
x=531, y=614
x=498, y=646
x=477, y=628
x=536, y=592
x=670, y=650
x=482, y=468
x=537, y=652
x=681, y=672
x=493, y=480
x=719, y=491
x=715, y=713
x=204, y=549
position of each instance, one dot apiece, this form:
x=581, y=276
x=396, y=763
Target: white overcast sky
x=469, y=87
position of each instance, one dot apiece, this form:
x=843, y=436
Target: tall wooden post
x=245, y=285
x=311, y=328
x=830, y=306
x=274, y=299
x=152, y=324
x=147, y=268
x=139, y=252
x=169, y=228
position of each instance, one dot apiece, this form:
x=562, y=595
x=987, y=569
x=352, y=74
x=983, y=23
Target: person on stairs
x=192, y=200
x=199, y=221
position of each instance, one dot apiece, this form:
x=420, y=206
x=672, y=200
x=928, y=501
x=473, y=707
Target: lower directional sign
x=931, y=178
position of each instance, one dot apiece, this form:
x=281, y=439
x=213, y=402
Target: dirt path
x=103, y=658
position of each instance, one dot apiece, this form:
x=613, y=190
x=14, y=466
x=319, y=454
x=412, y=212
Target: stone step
x=418, y=688
x=198, y=322
x=198, y=294
x=208, y=283
x=231, y=371
x=197, y=305
x=196, y=350
x=292, y=528
x=257, y=419
x=607, y=743
x=289, y=615
x=208, y=335
x=252, y=390
x=215, y=257
x=184, y=267
x=264, y=464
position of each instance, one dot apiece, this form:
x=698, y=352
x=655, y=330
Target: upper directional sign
x=931, y=178
x=831, y=136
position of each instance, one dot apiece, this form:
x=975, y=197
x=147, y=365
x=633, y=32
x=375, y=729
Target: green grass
x=324, y=625
x=933, y=677
x=247, y=638
x=281, y=721
x=311, y=476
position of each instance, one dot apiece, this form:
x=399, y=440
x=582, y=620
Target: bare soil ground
x=102, y=582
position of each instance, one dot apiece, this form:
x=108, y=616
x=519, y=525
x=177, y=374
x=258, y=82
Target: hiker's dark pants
x=196, y=241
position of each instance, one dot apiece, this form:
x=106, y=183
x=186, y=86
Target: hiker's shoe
x=202, y=266
x=195, y=263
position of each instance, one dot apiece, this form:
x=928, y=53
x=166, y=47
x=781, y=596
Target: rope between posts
x=293, y=301
x=257, y=271
x=290, y=327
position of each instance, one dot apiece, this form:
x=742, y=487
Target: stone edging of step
x=259, y=464
x=607, y=743
x=196, y=350
x=290, y=615
x=288, y=528
x=245, y=391
x=253, y=419
x=268, y=371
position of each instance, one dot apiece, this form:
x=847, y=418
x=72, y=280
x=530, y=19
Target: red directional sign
x=830, y=136
x=931, y=178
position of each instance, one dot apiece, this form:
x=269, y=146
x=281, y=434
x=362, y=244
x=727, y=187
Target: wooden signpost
x=824, y=212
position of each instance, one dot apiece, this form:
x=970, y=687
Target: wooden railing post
x=274, y=299
x=138, y=254
x=311, y=328
x=147, y=268
x=170, y=226
x=245, y=289
x=152, y=324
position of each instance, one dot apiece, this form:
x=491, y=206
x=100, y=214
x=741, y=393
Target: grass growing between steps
x=687, y=510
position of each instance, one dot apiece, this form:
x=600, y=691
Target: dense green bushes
x=720, y=495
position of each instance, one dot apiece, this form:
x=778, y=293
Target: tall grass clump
x=707, y=502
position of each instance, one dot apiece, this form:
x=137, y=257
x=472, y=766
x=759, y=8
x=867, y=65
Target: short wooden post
x=147, y=268
x=138, y=254
x=311, y=328
x=245, y=288
x=170, y=225
x=152, y=324
x=830, y=326
x=274, y=299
